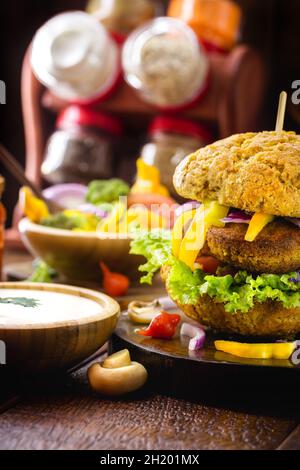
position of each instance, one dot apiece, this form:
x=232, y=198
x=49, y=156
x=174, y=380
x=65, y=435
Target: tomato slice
x=208, y=264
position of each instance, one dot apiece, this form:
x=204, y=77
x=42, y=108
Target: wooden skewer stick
x=281, y=111
x=13, y=166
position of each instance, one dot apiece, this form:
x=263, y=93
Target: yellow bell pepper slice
x=257, y=223
x=207, y=215
x=74, y=213
x=148, y=180
x=177, y=232
x=147, y=172
x=31, y=206
x=111, y=223
x=257, y=351
x=161, y=190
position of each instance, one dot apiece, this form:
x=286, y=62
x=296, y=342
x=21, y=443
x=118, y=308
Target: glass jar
x=81, y=149
x=75, y=57
x=2, y=226
x=216, y=22
x=121, y=17
x=165, y=63
x=171, y=140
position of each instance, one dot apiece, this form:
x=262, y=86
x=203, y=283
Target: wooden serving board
x=175, y=370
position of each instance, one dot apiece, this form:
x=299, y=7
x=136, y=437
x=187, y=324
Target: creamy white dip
x=51, y=307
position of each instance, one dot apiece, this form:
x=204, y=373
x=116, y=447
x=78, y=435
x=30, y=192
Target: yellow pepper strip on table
x=257, y=223
x=257, y=351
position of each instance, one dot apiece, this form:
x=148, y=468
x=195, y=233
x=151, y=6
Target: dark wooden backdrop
x=270, y=25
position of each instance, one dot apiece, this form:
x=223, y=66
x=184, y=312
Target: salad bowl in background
x=76, y=255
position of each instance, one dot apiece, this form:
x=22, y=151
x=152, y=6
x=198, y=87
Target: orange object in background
x=216, y=22
x=2, y=225
x=115, y=284
x=148, y=180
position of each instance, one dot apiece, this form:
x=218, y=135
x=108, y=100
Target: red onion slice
x=237, y=217
x=240, y=217
x=295, y=280
x=68, y=196
x=196, y=333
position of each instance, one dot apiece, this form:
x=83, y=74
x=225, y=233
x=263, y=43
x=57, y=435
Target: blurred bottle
x=216, y=22
x=74, y=56
x=121, y=17
x=165, y=63
x=170, y=140
x=82, y=147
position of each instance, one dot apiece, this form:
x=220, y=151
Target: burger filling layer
x=208, y=254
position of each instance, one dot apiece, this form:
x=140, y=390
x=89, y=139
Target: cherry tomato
x=163, y=326
x=208, y=264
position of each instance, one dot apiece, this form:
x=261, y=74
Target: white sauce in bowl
x=43, y=307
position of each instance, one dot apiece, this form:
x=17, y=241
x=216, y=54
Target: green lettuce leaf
x=238, y=293
x=183, y=283
x=70, y=222
x=155, y=246
x=103, y=191
x=42, y=272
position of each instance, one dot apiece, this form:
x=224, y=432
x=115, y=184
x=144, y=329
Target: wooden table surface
x=61, y=412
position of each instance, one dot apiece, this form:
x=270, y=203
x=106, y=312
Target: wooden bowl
x=76, y=255
x=50, y=326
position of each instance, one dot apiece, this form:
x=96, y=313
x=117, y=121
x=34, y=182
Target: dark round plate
x=173, y=368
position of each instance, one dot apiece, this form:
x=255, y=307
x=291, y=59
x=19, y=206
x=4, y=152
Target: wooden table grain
x=61, y=412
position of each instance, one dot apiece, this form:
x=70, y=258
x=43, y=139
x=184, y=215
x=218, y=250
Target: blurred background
x=270, y=27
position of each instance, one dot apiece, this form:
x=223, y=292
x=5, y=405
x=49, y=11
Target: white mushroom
x=114, y=378
x=144, y=312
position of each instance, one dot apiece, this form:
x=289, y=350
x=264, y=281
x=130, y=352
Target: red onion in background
x=91, y=209
x=68, y=196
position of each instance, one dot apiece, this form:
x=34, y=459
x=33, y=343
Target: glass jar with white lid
x=164, y=61
x=82, y=147
x=75, y=57
x=170, y=140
